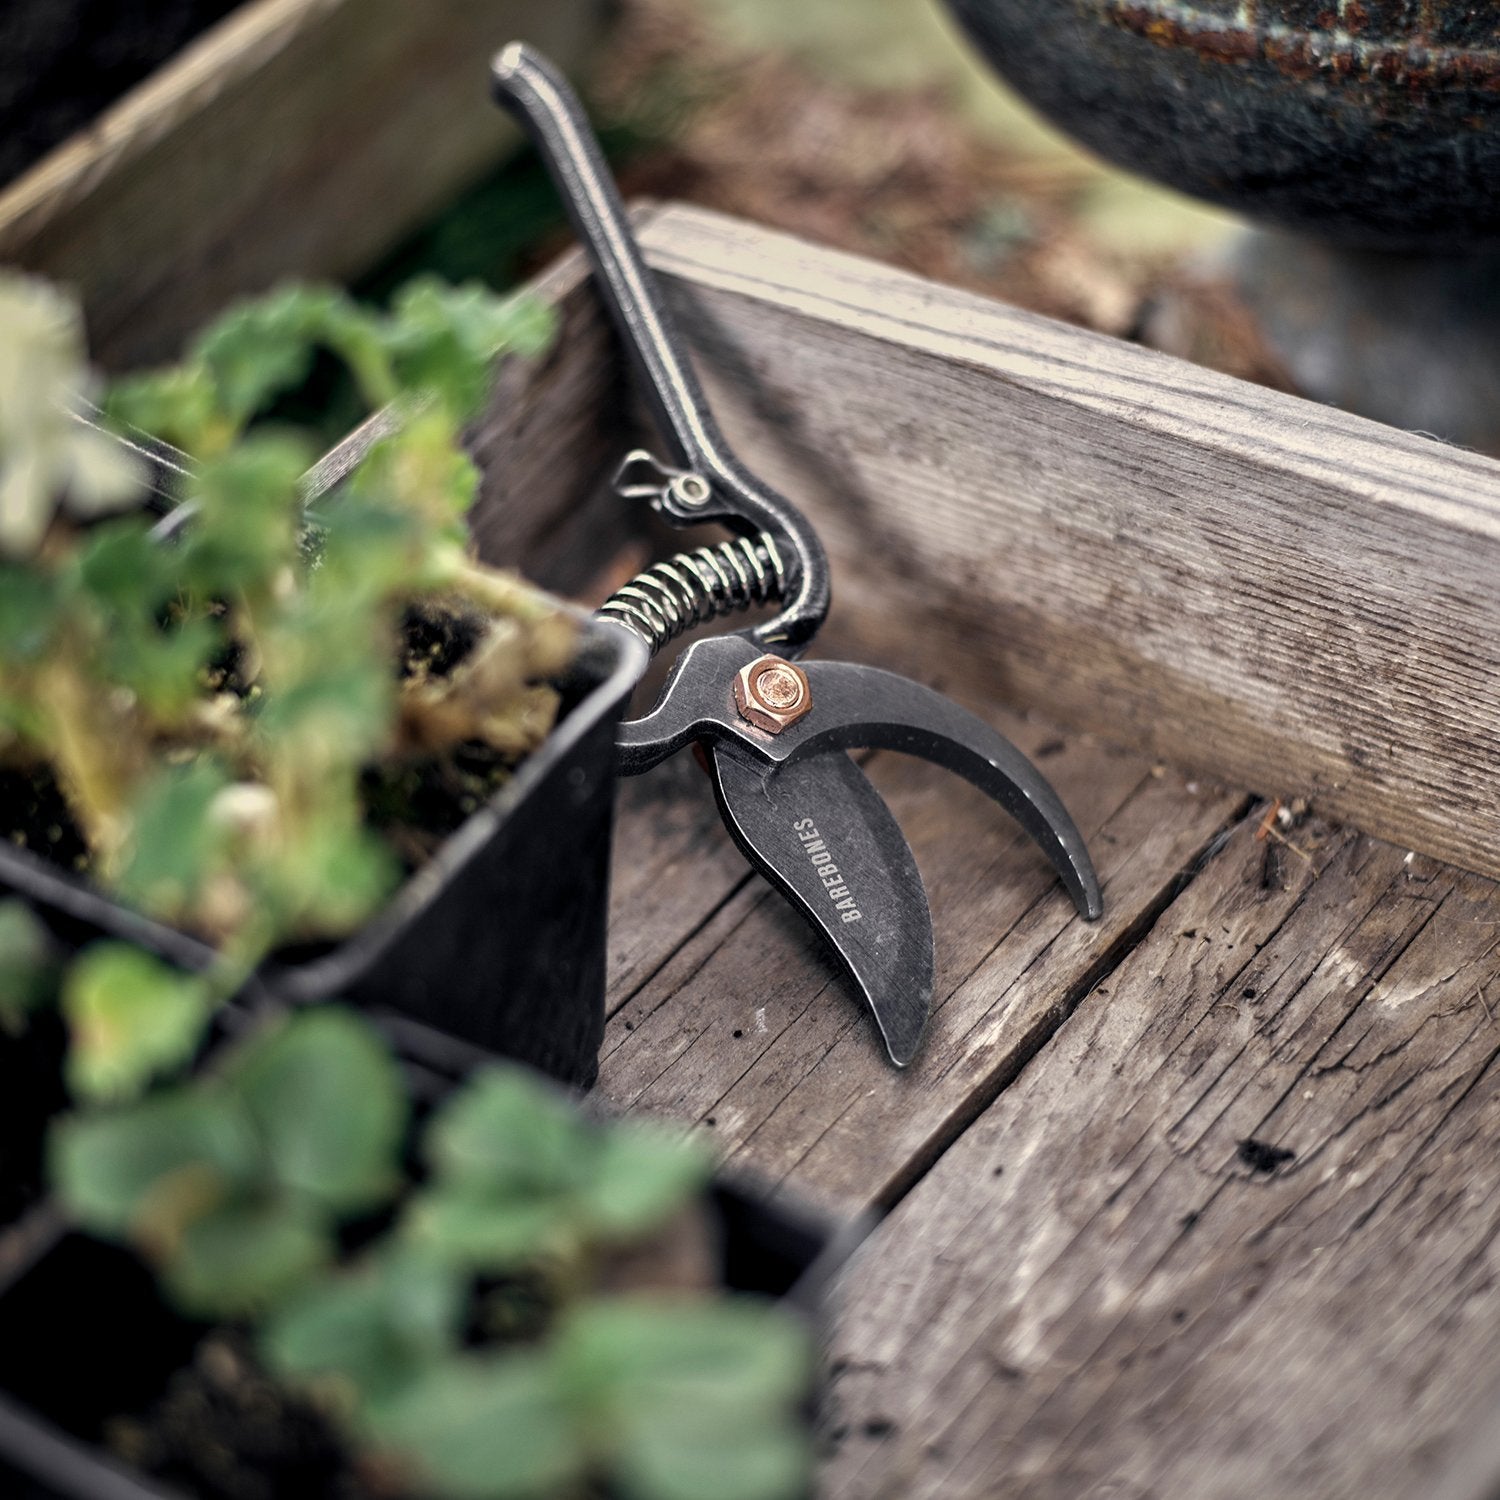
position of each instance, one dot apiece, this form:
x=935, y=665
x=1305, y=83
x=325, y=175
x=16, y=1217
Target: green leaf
x=446, y=340
x=330, y=876
x=488, y=1233
x=698, y=1397
x=355, y=334
x=644, y=1174
x=490, y=1428
x=240, y=1259
x=337, y=713
x=327, y=1101
x=507, y=1133
x=684, y=1457
x=31, y=607
x=422, y=469
x=122, y=567
x=163, y=665
x=107, y=1166
x=176, y=843
x=245, y=534
x=367, y=545
x=257, y=349
x=176, y=404
x=659, y=1354
x=375, y=1327
x=29, y=965
x=130, y=1017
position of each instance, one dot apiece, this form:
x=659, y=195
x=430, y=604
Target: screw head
x=692, y=491
x=772, y=693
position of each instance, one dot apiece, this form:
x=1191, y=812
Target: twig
x=1286, y=843
x=1267, y=823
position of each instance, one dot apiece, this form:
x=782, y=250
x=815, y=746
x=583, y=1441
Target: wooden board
x=1201, y=1201
x=1238, y=581
x=1232, y=1233
x=744, y=1027
x=298, y=138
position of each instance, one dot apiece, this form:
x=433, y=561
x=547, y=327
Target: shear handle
x=528, y=86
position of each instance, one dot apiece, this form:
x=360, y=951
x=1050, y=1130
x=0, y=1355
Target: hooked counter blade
x=820, y=832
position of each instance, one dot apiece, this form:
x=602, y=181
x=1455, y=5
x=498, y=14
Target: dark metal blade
x=822, y=835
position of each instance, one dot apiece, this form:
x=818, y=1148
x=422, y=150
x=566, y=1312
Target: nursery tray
x=1200, y=1200
x=86, y=1337
x=498, y=939
x=295, y=138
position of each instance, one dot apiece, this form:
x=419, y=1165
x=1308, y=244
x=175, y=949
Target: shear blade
x=864, y=707
x=822, y=835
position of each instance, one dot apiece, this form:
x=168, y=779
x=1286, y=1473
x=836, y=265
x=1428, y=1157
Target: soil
x=418, y=804
x=37, y=818
x=223, y=1431
x=62, y=62
x=415, y=804
x=899, y=174
x=31, y=1093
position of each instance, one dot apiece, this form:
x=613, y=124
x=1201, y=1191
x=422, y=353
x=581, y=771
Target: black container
x=498, y=940
x=1375, y=126
x=85, y=1335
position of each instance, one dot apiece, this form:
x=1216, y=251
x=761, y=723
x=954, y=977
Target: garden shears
x=773, y=732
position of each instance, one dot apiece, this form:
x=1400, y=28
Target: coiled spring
x=692, y=588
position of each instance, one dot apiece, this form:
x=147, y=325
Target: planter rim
x=71, y=1466
x=608, y=654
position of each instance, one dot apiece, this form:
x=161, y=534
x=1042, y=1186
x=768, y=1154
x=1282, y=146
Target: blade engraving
x=820, y=832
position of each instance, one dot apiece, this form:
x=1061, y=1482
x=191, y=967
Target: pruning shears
x=772, y=731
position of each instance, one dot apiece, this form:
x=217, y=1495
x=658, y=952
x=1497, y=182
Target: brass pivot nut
x=772, y=693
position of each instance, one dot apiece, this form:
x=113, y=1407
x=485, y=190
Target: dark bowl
x=1371, y=123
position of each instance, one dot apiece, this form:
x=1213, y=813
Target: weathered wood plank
x=1142, y=1302
x=1232, y=1233
x=1136, y=1302
x=1282, y=595
x=555, y=429
x=296, y=138
x=748, y=1028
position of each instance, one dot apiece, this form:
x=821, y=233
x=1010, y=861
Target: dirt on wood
x=901, y=175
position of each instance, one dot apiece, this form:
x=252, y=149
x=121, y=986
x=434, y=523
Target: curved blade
x=857, y=707
x=864, y=707
x=823, y=836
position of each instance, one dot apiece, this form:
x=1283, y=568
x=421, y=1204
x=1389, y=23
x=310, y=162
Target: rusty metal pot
x=1371, y=123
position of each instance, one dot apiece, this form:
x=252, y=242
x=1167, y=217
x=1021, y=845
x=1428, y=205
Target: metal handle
x=536, y=94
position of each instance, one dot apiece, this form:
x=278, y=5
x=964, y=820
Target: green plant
x=234, y=1186
x=29, y=967
x=222, y=710
x=231, y=708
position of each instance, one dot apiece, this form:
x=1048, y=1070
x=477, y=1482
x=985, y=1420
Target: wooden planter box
x=297, y=138
x=1200, y=1200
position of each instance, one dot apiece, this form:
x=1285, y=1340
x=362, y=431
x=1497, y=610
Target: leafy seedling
x=518, y=1178
x=216, y=703
x=661, y=1398
x=233, y=1185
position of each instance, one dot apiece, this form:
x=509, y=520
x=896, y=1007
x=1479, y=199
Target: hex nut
x=772, y=693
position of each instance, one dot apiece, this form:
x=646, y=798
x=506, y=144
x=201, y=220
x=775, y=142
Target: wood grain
x=746, y=1027
x=297, y=138
x=1276, y=593
x=1200, y=1202
x=1231, y=1233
